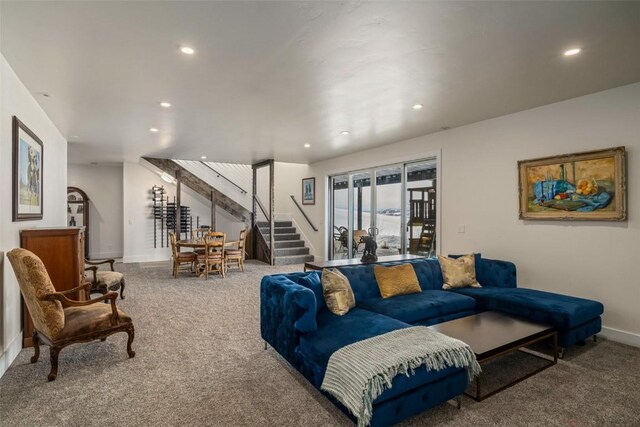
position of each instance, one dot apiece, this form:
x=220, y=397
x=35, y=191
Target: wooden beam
x=213, y=210
x=272, y=202
x=178, y=191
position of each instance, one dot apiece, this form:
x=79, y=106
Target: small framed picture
x=27, y=173
x=309, y=191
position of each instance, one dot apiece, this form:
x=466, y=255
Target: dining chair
x=235, y=255
x=213, y=258
x=181, y=258
x=200, y=233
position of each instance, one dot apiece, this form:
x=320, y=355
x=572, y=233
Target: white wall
x=287, y=182
x=16, y=100
x=479, y=183
x=138, y=178
x=103, y=185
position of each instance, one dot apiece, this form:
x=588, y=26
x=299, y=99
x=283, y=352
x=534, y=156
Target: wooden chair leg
x=122, y=289
x=36, y=347
x=131, y=333
x=103, y=339
x=53, y=355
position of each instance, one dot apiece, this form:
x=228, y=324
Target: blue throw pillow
x=313, y=281
x=477, y=259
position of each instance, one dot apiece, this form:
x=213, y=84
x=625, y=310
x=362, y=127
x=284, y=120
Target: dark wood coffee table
x=492, y=334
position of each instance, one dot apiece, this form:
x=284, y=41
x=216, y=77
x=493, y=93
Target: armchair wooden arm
x=94, y=271
x=84, y=287
x=100, y=262
x=66, y=302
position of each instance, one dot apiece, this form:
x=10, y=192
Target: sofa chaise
x=297, y=324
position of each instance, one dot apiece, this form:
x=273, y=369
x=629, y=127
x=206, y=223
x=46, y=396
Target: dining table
x=199, y=243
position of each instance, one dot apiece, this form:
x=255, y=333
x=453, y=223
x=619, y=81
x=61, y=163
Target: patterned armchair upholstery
x=59, y=321
x=104, y=281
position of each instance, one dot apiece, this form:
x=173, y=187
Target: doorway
x=395, y=204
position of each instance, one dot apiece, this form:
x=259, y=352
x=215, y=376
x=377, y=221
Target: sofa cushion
x=335, y=332
x=337, y=292
x=396, y=280
x=416, y=307
x=89, y=319
x=477, y=257
x=561, y=311
x=313, y=281
x=458, y=272
x=363, y=280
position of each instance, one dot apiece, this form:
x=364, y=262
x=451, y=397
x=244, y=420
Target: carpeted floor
x=200, y=361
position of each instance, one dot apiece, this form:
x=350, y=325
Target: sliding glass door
x=388, y=218
x=394, y=204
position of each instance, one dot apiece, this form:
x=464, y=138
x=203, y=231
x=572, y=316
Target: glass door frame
x=373, y=206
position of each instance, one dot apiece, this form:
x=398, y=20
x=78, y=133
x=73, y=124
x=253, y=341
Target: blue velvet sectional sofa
x=297, y=324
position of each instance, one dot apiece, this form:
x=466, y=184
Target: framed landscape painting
x=309, y=191
x=582, y=186
x=27, y=173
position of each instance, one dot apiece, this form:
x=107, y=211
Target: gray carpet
x=200, y=361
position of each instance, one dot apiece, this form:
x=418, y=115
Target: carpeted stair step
x=289, y=244
x=292, y=251
x=265, y=224
x=281, y=237
x=278, y=230
x=294, y=259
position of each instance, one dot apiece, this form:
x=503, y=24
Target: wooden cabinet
x=62, y=252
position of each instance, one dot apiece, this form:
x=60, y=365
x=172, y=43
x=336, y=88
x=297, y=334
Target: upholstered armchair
x=59, y=321
x=104, y=281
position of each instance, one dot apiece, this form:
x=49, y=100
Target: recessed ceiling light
x=203, y=157
x=187, y=50
x=344, y=132
x=571, y=52
x=417, y=106
x=165, y=104
x=75, y=136
x=166, y=177
x=307, y=145
x=153, y=130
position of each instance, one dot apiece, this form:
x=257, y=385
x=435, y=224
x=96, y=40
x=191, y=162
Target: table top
x=199, y=243
x=356, y=261
x=191, y=243
x=490, y=333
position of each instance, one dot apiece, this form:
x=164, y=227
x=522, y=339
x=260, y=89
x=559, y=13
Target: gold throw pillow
x=396, y=280
x=337, y=292
x=459, y=273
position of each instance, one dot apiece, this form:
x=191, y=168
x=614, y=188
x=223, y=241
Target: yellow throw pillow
x=396, y=280
x=337, y=292
x=459, y=273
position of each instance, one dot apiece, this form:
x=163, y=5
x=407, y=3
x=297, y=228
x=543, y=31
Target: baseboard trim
x=623, y=337
x=10, y=354
x=101, y=255
x=146, y=258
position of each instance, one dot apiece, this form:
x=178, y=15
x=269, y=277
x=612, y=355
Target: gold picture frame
x=587, y=186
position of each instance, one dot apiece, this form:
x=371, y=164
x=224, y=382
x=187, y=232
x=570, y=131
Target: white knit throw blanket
x=360, y=372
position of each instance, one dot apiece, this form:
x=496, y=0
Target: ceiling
x=269, y=77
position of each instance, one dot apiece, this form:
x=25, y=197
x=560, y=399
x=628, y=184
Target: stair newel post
x=272, y=245
x=178, y=209
x=254, y=232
